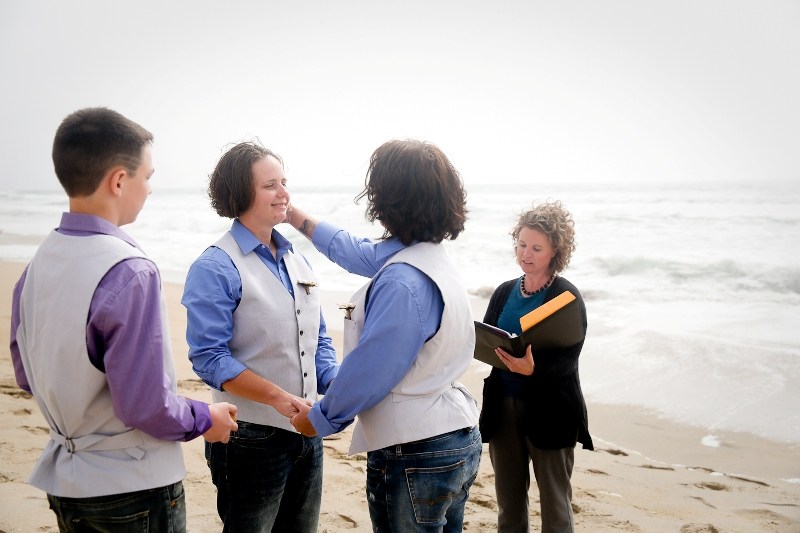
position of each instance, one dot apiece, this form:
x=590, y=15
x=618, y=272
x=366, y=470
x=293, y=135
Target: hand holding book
x=555, y=324
x=520, y=365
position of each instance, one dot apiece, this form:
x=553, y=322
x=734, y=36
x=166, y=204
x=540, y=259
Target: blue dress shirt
x=403, y=310
x=212, y=293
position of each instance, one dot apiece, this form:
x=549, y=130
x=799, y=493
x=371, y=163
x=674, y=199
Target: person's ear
x=116, y=180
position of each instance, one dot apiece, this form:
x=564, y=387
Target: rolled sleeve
x=211, y=294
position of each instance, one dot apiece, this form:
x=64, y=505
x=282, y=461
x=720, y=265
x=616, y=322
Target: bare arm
x=301, y=221
x=250, y=385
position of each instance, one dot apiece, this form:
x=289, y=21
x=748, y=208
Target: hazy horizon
x=513, y=92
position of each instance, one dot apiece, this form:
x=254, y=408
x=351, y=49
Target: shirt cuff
x=226, y=372
x=323, y=235
x=202, y=418
x=320, y=423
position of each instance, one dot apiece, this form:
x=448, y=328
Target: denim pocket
x=433, y=490
x=252, y=435
x=135, y=522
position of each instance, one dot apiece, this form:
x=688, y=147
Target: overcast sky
x=513, y=92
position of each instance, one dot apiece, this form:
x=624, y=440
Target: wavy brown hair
x=552, y=219
x=414, y=191
x=230, y=186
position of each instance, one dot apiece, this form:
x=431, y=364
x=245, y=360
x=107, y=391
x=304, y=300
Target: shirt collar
x=248, y=242
x=386, y=248
x=81, y=223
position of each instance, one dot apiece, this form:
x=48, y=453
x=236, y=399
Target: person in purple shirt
x=89, y=340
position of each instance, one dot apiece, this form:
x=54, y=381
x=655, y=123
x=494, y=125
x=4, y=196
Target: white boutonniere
x=307, y=285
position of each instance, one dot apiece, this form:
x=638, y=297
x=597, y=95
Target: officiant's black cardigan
x=556, y=410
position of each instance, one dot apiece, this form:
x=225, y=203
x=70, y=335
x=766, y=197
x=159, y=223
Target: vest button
x=301, y=332
x=302, y=354
x=305, y=374
x=298, y=311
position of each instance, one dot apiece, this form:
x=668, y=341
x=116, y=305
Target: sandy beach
x=646, y=475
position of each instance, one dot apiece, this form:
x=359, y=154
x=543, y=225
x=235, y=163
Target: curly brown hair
x=552, y=219
x=414, y=191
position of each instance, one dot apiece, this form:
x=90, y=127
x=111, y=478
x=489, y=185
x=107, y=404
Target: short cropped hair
x=552, y=219
x=230, y=186
x=92, y=141
x=414, y=191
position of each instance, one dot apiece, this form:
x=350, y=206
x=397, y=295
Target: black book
x=555, y=324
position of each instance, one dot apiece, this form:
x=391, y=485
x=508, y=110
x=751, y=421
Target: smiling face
x=270, y=198
x=534, y=253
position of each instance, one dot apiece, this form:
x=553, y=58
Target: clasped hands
x=297, y=413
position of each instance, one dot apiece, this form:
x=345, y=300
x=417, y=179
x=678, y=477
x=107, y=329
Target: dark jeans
x=423, y=485
x=161, y=509
x=267, y=479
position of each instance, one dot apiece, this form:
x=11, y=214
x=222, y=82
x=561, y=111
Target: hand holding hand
x=300, y=421
x=520, y=365
x=223, y=421
x=285, y=405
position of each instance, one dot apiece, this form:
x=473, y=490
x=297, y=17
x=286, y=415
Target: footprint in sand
x=654, y=467
x=698, y=528
x=38, y=430
x=614, y=452
x=711, y=485
x=767, y=518
x=482, y=501
x=701, y=500
x=14, y=391
x=192, y=385
x=347, y=522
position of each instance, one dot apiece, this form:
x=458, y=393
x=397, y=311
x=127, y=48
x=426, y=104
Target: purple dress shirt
x=125, y=341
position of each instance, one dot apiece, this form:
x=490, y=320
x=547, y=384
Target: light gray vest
x=428, y=401
x=91, y=452
x=274, y=335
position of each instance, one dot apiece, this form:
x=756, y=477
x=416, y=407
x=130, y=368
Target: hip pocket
x=433, y=490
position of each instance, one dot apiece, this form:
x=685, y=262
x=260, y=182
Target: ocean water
x=692, y=290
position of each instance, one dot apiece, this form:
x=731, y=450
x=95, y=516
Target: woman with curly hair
x=534, y=412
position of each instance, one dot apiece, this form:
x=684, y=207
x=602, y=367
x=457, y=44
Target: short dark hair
x=230, y=186
x=414, y=191
x=90, y=142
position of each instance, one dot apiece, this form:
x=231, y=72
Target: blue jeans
x=267, y=479
x=161, y=509
x=423, y=485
